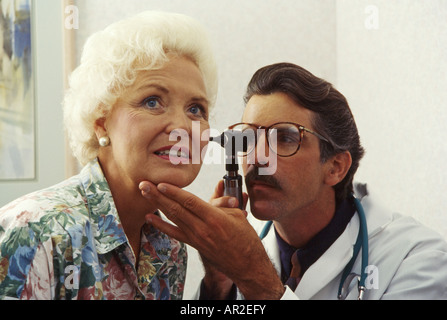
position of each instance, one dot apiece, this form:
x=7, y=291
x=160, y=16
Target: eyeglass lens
x=284, y=139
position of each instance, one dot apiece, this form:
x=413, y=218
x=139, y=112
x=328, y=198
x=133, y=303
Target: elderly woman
x=139, y=81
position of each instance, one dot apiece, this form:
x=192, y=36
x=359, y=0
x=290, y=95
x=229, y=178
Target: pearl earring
x=104, y=141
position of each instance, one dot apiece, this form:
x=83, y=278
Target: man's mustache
x=253, y=175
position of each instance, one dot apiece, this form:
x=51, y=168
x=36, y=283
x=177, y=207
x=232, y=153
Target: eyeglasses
x=284, y=138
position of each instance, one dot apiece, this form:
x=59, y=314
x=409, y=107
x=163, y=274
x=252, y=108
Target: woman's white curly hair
x=111, y=60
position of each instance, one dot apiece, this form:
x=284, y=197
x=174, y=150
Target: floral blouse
x=67, y=242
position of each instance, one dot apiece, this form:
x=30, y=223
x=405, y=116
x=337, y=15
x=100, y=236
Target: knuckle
x=190, y=203
x=238, y=214
x=219, y=202
x=172, y=210
x=215, y=202
x=203, y=234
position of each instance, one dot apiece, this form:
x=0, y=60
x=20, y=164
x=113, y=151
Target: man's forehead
x=277, y=107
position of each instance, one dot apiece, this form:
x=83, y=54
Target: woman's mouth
x=174, y=154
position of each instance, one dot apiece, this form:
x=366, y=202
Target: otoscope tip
x=219, y=139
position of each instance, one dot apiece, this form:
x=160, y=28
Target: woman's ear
x=338, y=167
x=100, y=128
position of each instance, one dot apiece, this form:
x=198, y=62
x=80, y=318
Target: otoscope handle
x=233, y=187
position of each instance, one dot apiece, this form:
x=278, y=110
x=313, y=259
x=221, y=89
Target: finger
x=180, y=201
x=172, y=210
x=145, y=188
x=225, y=202
x=219, y=190
x=245, y=199
x=191, y=226
x=167, y=228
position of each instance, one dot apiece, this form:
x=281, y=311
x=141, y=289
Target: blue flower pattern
x=75, y=224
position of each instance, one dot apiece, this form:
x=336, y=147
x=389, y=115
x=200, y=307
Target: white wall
x=48, y=67
x=395, y=78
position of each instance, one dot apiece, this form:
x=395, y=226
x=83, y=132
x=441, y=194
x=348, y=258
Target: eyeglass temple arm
x=316, y=134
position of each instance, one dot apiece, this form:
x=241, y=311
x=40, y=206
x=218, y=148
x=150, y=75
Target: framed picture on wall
x=17, y=123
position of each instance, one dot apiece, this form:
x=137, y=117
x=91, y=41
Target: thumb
x=218, y=191
x=245, y=199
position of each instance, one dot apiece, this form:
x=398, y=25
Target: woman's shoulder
x=39, y=210
x=37, y=227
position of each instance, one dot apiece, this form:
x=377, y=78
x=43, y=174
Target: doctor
x=310, y=249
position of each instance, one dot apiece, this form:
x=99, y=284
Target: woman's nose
x=179, y=123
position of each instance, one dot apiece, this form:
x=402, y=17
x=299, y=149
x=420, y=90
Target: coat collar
x=326, y=268
x=333, y=261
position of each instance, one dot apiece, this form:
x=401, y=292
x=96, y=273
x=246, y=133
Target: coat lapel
x=325, y=269
x=330, y=264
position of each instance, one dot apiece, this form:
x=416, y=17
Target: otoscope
x=233, y=142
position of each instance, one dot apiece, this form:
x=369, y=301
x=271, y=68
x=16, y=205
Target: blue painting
x=17, y=136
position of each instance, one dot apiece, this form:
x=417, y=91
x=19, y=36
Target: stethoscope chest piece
x=345, y=287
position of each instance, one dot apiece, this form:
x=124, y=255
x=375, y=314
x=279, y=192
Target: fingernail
x=232, y=202
x=145, y=188
x=161, y=188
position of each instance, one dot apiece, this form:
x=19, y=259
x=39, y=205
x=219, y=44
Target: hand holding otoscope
x=233, y=142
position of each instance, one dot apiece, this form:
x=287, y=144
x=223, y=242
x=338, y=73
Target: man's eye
x=285, y=137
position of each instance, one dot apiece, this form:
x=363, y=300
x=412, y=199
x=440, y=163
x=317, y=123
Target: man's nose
x=262, y=150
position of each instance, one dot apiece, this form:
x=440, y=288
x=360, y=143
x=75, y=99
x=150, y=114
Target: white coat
x=409, y=260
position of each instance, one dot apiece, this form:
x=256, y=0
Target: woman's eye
x=194, y=110
x=151, y=102
x=197, y=110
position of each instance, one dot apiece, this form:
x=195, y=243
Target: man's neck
x=307, y=223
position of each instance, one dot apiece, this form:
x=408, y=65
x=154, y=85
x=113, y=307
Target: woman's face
x=140, y=123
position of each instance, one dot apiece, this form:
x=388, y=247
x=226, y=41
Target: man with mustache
x=309, y=199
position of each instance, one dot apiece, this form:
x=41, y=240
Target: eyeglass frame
x=300, y=127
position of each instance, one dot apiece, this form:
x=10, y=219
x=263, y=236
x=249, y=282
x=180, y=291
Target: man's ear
x=337, y=168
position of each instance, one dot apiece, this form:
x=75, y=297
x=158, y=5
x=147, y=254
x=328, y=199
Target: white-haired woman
x=139, y=80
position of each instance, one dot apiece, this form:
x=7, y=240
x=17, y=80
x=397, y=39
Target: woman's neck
x=131, y=206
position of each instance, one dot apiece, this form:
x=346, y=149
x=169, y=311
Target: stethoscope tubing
x=361, y=244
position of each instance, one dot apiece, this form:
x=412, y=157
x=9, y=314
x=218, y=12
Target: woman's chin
x=179, y=180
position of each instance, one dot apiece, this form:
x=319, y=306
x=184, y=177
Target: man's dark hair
x=332, y=119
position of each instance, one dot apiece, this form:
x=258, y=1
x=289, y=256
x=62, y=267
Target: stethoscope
x=361, y=243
